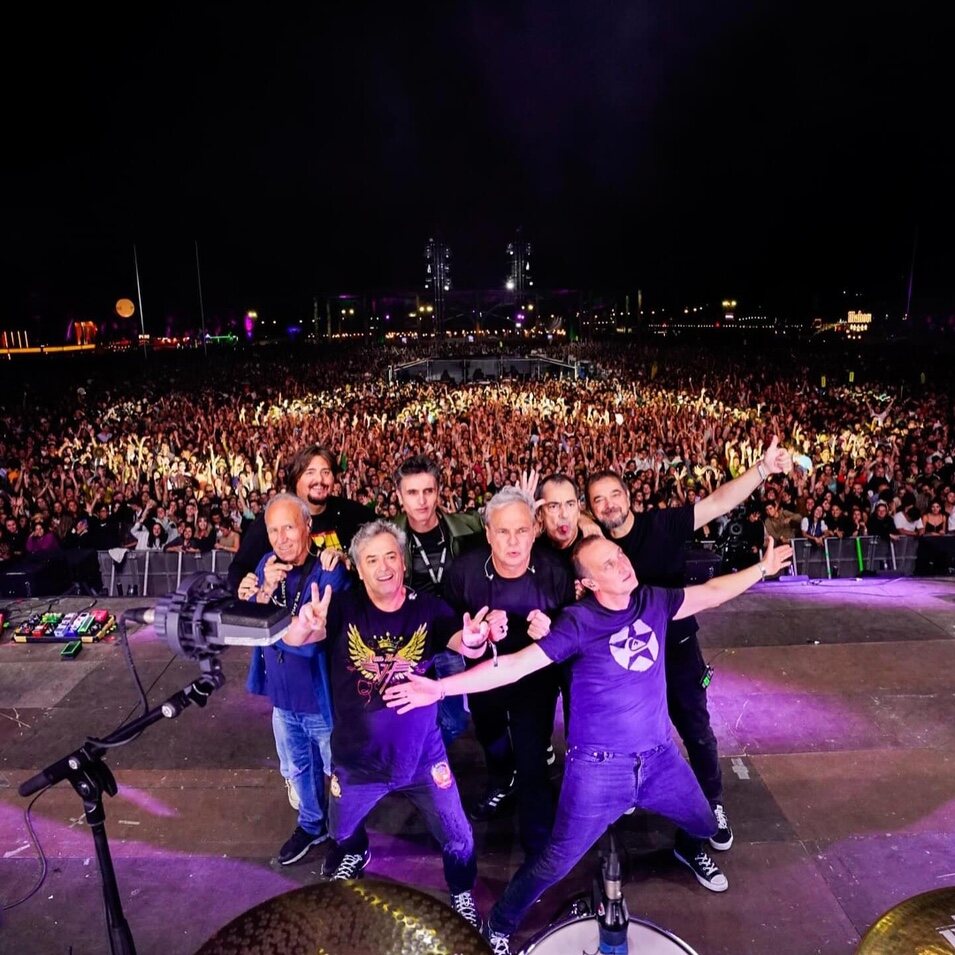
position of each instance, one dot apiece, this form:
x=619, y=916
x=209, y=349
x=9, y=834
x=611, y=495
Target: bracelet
x=476, y=646
x=762, y=571
x=441, y=687
x=763, y=473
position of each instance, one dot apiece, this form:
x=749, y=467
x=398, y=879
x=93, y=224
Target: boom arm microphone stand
x=89, y=775
x=199, y=620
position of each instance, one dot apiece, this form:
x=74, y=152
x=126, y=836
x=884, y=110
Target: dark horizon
x=773, y=155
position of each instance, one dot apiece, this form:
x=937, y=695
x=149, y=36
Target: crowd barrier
x=151, y=573
x=854, y=556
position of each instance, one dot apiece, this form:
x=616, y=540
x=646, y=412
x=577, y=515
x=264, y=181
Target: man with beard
x=310, y=476
x=655, y=543
x=376, y=635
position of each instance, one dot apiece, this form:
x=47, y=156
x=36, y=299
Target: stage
x=834, y=704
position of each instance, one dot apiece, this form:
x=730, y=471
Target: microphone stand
x=613, y=918
x=89, y=775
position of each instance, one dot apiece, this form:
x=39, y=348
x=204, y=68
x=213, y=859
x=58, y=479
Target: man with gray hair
x=376, y=635
x=523, y=590
x=296, y=678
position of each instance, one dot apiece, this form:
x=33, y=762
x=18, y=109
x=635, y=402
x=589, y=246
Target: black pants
x=514, y=725
x=686, y=701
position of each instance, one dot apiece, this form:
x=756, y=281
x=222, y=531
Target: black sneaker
x=351, y=867
x=707, y=872
x=298, y=844
x=499, y=942
x=493, y=802
x=722, y=839
x=463, y=904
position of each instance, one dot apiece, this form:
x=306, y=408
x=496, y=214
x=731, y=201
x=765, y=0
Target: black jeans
x=686, y=701
x=514, y=726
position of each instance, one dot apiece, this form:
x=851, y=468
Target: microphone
x=613, y=919
x=202, y=618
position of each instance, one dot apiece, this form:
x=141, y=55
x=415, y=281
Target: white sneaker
x=293, y=799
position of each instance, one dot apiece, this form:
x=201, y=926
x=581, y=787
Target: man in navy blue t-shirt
x=620, y=751
x=376, y=636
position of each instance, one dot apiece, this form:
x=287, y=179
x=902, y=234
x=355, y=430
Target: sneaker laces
x=349, y=867
x=500, y=944
x=707, y=866
x=463, y=904
x=720, y=813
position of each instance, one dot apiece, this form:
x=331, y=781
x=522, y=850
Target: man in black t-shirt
x=523, y=591
x=376, y=636
x=655, y=543
x=435, y=539
x=311, y=476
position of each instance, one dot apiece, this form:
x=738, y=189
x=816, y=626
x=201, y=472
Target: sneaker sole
x=704, y=882
x=722, y=846
x=315, y=842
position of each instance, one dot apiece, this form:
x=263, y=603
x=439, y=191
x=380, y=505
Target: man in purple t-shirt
x=620, y=750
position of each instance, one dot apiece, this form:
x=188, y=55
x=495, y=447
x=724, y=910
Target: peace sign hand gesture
x=309, y=626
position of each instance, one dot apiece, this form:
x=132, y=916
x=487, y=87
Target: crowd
x=656, y=447
x=186, y=457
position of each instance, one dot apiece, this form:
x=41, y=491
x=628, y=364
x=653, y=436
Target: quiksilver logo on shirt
x=635, y=647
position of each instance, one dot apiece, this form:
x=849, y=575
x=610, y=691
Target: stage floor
x=834, y=704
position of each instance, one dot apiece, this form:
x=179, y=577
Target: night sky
x=692, y=150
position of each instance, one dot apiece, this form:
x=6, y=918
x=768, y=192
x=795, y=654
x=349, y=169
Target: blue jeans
x=303, y=745
x=433, y=792
x=598, y=788
x=452, y=716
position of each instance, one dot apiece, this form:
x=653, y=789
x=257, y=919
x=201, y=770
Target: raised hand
x=248, y=586
x=497, y=621
x=476, y=629
x=777, y=460
x=529, y=481
x=416, y=692
x=275, y=571
x=314, y=614
x=776, y=558
x=538, y=624
x=331, y=557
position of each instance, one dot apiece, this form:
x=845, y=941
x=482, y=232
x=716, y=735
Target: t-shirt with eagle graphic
x=369, y=651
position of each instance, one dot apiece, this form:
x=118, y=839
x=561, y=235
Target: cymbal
x=364, y=917
x=921, y=925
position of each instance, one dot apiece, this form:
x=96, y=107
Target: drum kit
x=921, y=925
x=384, y=918
x=369, y=917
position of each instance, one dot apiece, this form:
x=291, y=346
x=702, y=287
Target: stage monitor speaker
x=29, y=577
x=702, y=566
